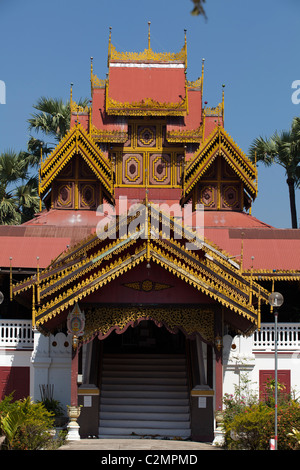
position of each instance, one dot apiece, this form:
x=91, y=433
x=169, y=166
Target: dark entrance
x=145, y=338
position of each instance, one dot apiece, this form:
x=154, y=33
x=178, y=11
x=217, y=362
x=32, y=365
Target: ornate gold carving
x=195, y=84
x=147, y=55
x=191, y=320
x=220, y=143
x=147, y=286
x=217, y=111
x=105, y=135
x=183, y=135
x=75, y=108
x=146, y=107
x=97, y=82
x=76, y=141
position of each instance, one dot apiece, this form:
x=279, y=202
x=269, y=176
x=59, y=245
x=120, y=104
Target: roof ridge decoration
x=148, y=55
x=76, y=141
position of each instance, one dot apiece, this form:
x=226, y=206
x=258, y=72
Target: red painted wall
x=284, y=378
x=179, y=291
x=14, y=379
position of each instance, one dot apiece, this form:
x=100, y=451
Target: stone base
x=219, y=438
x=73, y=431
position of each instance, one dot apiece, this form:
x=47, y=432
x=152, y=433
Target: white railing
x=288, y=337
x=16, y=334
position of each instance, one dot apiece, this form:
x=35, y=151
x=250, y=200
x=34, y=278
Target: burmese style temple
x=143, y=257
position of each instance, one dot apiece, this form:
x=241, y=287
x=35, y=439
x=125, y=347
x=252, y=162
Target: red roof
x=134, y=84
x=49, y=234
x=45, y=236
x=272, y=249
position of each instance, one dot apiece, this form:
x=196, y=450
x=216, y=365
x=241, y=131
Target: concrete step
x=155, y=391
x=145, y=371
x=138, y=431
x=144, y=401
x=127, y=380
x=144, y=395
x=143, y=416
x=142, y=408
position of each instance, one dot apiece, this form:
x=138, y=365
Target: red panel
x=14, y=379
x=130, y=84
x=284, y=378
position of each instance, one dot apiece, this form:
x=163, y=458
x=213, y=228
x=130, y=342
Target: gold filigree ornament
x=102, y=321
x=147, y=55
x=148, y=106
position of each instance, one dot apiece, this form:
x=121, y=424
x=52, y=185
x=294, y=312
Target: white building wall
x=241, y=356
x=51, y=363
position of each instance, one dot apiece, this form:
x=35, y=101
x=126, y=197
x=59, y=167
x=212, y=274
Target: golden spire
x=92, y=76
x=202, y=77
x=71, y=101
x=41, y=161
x=223, y=86
x=71, y=95
x=109, y=46
x=185, y=48
x=149, y=36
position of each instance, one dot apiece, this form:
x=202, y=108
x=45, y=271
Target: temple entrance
x=144, y=384
x=145, y=338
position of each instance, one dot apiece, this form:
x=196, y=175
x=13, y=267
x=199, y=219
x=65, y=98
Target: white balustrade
x=288, y=337
x=16, y=334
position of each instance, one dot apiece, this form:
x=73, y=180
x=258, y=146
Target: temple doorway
x=145, y=338
x=144, y=384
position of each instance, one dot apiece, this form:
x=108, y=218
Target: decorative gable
x=76, y=172
x=220, y=176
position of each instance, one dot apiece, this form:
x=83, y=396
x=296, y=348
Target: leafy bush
x=27, y=425
x=249, y=424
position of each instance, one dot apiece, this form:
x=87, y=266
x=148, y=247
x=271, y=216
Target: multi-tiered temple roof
x=148, y=137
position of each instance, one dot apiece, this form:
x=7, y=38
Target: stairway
x=144, y=395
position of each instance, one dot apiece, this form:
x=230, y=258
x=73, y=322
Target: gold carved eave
x=146, y=107
x=210, y=283
x=94, y=263
x=190, y=320
x=185, y=136
x=105, y=135
x=272, y=275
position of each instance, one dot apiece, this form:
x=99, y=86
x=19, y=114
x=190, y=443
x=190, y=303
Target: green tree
x=282, y=149
x=52, y=116
x=19, y=198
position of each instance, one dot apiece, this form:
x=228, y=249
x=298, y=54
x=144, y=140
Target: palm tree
x=53, y=116
x=19, y=198
x=284, y=150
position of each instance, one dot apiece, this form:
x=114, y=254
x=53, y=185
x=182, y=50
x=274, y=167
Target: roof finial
x=92, y=76
x=149, y=35
x=71, y=93
x=71, y=101
x=223, y=86
x=109, y=46
x=185, y=49
x=202, y=77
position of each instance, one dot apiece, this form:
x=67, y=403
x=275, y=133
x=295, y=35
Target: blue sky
x=252, y=47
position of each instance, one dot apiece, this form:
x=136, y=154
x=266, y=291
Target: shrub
x=27, y=426
x=250, y=424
